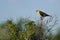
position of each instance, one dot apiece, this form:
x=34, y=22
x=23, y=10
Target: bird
x=43, y=14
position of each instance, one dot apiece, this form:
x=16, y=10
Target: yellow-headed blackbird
x=42, y=13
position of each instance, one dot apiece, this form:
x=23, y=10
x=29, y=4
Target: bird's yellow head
x=38, y=11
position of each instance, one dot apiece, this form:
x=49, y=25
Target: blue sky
x=27, y=8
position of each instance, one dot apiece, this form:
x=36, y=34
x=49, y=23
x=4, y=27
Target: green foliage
x=11, y=30
x=57, y=36
x=24, y=29
x=29, y=28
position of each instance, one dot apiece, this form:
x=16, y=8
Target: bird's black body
x=43, y=14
